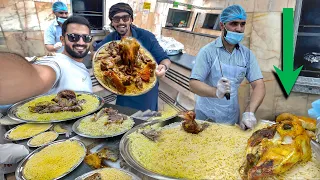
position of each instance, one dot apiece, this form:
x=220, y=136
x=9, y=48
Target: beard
x=122, y=30
x=74, y=53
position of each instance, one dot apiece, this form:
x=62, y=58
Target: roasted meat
x=189, y=123
x=95, y=176
x=113, y=79
x=306, y=122
x=64, y=101
x=129, y=48
x=93, y=161
x=108, y=154
x=152, y=134
x=275, y=149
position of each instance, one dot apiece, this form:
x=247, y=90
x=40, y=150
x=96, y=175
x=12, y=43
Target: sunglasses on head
x=124, y=18
x=76, y=37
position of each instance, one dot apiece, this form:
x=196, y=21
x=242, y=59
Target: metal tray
x=82, y=177
x=19, y=170
x=76, y=124
x=103, y=83
x=13, y=109
x=6, y=135
x=33, y=146
x=125, y=150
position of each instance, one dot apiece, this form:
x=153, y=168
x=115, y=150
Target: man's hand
x=161, y=71
x=57, y=46
x=223, y=87
x=248, y=121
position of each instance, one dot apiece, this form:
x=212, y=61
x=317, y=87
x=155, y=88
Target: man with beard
x=121, y=16
x=53, y=32
x=20, y=80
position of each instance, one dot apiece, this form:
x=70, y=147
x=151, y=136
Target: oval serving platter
x=104, y=84
x=12, y=111
x=19, y=171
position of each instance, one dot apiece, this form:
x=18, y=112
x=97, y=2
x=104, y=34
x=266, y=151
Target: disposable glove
x=223, y=87
x=248, y=120
x=57, y=46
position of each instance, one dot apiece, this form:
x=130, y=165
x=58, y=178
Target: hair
x=76, y=20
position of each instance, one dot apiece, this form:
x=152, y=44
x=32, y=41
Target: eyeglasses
x=76, y=37
x=124, y=18
x=61, y=13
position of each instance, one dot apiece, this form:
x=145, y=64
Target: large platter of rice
x=97, y=129
x=52, y=161
x=20, y=110
x=26, y=131
x=215, y=153
x=110, y=174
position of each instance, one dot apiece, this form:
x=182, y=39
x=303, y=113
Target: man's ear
x=62, y=40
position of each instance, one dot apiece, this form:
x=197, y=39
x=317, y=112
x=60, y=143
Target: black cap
x=120, y=7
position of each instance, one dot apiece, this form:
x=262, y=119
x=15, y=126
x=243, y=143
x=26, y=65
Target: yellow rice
x=57, y=128
x=53, y=161
x=28, y=130
x=97, y=128
x=166, y=113
x=23, y=111
x=113, y=174
x=43, y=138
x=215, y=153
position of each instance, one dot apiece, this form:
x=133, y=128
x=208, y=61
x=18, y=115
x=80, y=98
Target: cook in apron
x=222, y=110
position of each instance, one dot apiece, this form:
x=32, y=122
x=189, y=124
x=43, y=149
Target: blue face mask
x=233, y=37
x=61, y=20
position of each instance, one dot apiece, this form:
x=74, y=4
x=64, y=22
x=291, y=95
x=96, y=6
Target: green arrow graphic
x=287, y=76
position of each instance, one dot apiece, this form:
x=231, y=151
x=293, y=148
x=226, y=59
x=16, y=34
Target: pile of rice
x=53, y=161
x=113, y=174
x=43, y=138
x=166, y=113
x=28, y=130
x=57, y=128
x=97, y=128
x=23, y=111
x=216, y=153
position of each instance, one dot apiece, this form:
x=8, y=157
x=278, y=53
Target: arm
x=20, y=80
x=49, y=39
x=50, y=47
x=162, y=67
x=202, y=89
x=257, y=95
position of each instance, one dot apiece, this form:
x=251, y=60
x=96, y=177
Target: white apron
x=222, y=110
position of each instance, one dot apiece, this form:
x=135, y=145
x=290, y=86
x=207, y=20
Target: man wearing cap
x=121, y=16
x=220, y=68
x=53, y=32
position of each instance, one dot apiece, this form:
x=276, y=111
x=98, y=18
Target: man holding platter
x=121, y=16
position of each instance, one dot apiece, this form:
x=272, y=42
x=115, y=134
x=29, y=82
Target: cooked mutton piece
x=112, y=78
x=108, y=154
x=138, y=82
x=129, y=48
x=113, y=116
x=189, y=124
x=152, y=134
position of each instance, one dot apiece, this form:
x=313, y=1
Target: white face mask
x=233, y=37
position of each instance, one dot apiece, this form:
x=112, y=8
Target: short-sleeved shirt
x=207, y=56
x=148, y=100
x=70, y=74
x=52, y=34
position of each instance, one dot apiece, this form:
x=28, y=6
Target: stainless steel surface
x=134, y=177
x=6, y=135
x=19, y=171
x=103, y=83
x=6, y=120
x=13, y=109
x=35, y=146
x=76, y=124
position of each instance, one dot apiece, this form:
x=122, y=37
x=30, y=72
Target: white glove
x=57, y=46
x=248, y=120
x=223, y=87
